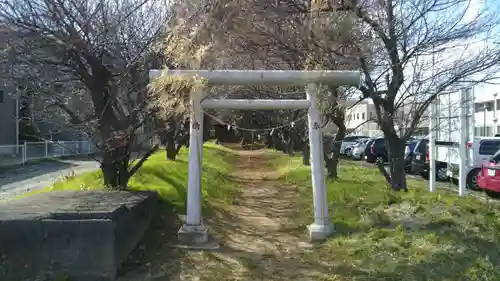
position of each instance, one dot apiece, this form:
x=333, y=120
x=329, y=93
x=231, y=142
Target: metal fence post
x=61, y=144
x=46, y=149
x=25, y=153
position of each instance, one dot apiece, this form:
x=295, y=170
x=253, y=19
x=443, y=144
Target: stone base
x=319, y=232
x=83, y=235
x=195, y=237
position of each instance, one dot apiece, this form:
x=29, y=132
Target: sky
x=462, y=51
x=485, y=91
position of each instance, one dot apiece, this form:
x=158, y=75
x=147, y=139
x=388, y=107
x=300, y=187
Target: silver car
x=358, y=149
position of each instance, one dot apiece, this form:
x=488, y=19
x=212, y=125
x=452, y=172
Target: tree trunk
x=306, y=155
x=115, y=169
x=289, y=146
x=246, y=139
x=269, y=141
x=173, y=129
x=183, y=141
x=207, y=127
x=275, y=140
x=396, y=153
x=171, y=151
x=170, y=144
x=333, y=162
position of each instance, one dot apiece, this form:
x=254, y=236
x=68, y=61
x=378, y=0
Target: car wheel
x=379, y=159
x=471, y=181
x=454, y=181
x=441, y=173
x=492, y=194
x=425, y=175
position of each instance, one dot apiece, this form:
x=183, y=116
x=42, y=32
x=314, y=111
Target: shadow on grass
x=154, y=258
x=462, y=255
x=472, y=258
x=172, y=179
x=373, y=238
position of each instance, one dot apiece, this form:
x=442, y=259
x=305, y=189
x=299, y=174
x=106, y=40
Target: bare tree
x=421, y=48
x=101, y=48
x=272, y=35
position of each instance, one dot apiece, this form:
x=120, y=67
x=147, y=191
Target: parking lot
x=440, y=185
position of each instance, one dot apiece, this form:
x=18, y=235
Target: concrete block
x=192, y=234
x=195, y=238
x=81, y=235
x=319, y=232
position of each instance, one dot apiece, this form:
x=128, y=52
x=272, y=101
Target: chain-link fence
x=20, y=154
x=53, y=149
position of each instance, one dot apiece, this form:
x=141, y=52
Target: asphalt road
x=15, y=181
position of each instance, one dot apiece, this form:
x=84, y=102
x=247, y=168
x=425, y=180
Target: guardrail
x=20, y=154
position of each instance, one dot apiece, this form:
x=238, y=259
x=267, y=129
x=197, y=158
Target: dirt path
x=256, y=235
x=257, y=239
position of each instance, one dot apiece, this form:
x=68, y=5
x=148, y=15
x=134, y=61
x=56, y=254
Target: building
x=360, y=119
x=486, y=112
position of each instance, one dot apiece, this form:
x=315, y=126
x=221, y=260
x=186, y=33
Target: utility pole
x=485, y=131
x=17, y=119
x=495, y=119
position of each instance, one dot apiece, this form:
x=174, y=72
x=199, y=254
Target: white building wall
x=360, y=119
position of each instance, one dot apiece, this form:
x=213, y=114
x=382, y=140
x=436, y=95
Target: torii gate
x=193, y=232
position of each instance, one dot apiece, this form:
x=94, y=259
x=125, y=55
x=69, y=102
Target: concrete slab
x=84, y=235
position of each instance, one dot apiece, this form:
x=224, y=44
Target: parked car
x=347, y=143
x=358, y=149
x=378, y=151
x=420, y=162
x=480, y=150
x=367, y=152
x=410, y=147
x=489, y=177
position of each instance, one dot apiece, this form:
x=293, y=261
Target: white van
x=449, y=131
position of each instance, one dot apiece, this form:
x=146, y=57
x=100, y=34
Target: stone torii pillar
x=193, y=233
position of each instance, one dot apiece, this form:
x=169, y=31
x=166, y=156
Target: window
x=483, y=131
x=479, y=107
x=489, y=147
x=357, y=116
x=363, y=116
x=1, y=96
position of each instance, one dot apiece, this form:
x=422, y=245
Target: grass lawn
x=384, y=235
x=168, y=178
x=380, y=234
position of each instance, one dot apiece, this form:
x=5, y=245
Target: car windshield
x=411, y=145
x=496, y=157
x=350, y=139
x=360, y=141
x=420, y=146
x=369, y=142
